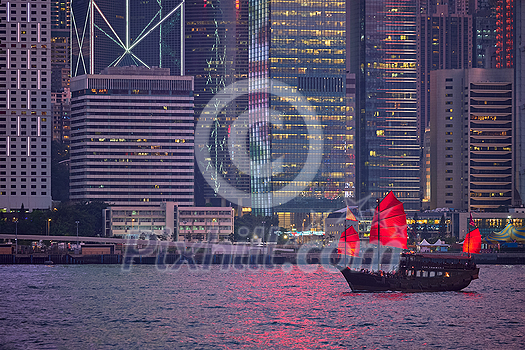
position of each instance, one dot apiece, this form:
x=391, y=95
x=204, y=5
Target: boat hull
x=367, y=282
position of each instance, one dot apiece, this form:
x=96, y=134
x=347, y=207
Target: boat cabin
x=434, y=262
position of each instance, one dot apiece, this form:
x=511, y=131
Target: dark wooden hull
x=366, y=282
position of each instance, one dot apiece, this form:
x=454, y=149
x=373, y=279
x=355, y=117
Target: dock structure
x=100, y=250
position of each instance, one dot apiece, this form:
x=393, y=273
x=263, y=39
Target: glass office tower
x=300, y=47
x=383, y=58
x=216, y=52
x=124, y=33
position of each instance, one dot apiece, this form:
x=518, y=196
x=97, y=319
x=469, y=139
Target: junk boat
x=417, y=272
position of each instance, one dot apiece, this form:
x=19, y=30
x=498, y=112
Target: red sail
x=472, y=243
x=393, y=219
x=350, y=238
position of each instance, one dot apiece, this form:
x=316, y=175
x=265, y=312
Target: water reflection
x=101, y=307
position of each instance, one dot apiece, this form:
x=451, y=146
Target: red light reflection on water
x=391, y=296
x=472, y=295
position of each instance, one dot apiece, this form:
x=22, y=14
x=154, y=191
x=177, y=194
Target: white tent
x=424, y=243
x=424, y=246
x=440, y=243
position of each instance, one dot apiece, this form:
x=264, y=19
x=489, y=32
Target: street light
x=76, y=222
x=48, y=222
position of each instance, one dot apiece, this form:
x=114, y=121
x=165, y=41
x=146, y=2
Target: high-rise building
x=60, y=14
x=444, y=42
x=383, y=46
x=485, y=34
x=126, y=32
x=495, y=33
x=519, y=76
x=60, y=64
x=216, y=50
x=61, y=103
x=132, y=137
x=60, y=34
x=505, y=49
x=25, y=105
x=300, y=49
x=472, y=130
x=448, y=152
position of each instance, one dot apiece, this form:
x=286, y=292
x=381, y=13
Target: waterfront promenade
x=199, y=253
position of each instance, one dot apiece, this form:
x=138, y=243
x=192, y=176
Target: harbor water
x=285, y=307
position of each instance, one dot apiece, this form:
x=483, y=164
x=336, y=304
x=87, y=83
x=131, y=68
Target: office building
x=484, y=35
x=60, y=64
x=170, y=222
x=25, y=105
x=445, y=41
x=216, y=50
x=126, y=32
x=382, y=46
x=505, y=50
x=301, y=46
x=472, y=122
x=519, y=74
x=61, y=104
x=449, y=145
x=60, y=34
x=132, y=133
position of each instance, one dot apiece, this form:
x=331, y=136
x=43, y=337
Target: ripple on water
x=102, y=307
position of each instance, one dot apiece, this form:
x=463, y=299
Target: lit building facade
x=60, y=35
x=25, y=105
x=448, y=151
x=300, y=45
x=383, y=47
x=108, y=33
x=445, y=41
x=473, y=163
x=132, y=137
x=61, y=103
x=519, y=74
x=505, y=50
x=170, y=222
x=216, y=51
x=485, y=35
x=491, y=139
x=204, y=223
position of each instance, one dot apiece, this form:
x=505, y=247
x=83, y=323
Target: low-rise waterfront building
x=168, y=221
x=205, y=223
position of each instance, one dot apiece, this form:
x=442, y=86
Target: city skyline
x=362, y=66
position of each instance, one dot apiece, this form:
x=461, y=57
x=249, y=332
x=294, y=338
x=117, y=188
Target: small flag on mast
x=349, y=215
x=471, y=222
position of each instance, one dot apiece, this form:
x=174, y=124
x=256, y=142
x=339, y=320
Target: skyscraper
x=25, y=105
x=126, y=32
x=444, y=41
x=505, y=49
x=300, y=48
x=383, y=58
x=519, y=74
x=60, y=69
x=485, y=34
x=216, y=52
x=473, y=157
x=132, y=137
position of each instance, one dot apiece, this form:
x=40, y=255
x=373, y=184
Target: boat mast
x=344, y=232
x=468, y=244
x=378, y=238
